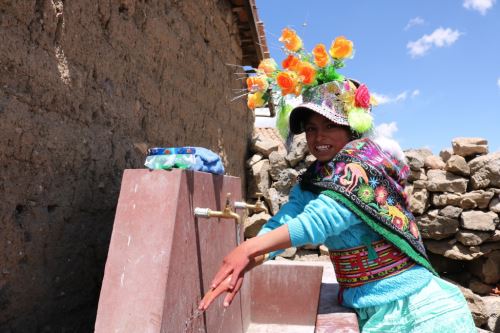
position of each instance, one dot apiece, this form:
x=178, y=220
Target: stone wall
x=455, y=198
x=85, y=87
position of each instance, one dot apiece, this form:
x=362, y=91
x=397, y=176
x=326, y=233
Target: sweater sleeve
x=291, y=209
x=321, y=218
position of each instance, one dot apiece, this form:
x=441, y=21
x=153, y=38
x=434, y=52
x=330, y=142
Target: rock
x=259, y=178
x=469, y=146
x=470, y=238
x=451, y=212
x=263, y=145
x=433, y=162
x=442, y=181
x=254, y=223
x=452, y=250
x=277, y=164
x=491, y=268
x=286, y=179
x=445, y=154
x=478, y=220
x=485, y=171
x=445, y=199
x=476, y=305
x=418, y=200
x=495, y=237
x=416, y=157
x=323, y=250
x=468, y=200
x=273, y=200
x=298, y=149
x=434, y=226
x=417, y=175
x=288, y=253
x=494, y=205
x=254, y=159
x=479, y=287
x=492, y=304
x=308, y=255
x=456, y=164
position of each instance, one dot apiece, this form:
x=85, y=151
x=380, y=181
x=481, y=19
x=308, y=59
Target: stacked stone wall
x=85, y=88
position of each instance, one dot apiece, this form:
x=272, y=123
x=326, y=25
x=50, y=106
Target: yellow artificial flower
x=341, y=48
x=267, y=66
x=307, y=72
x=257, y=83
x=321, y=58
x=256, y=100
x=288, y=81
x=291, y=40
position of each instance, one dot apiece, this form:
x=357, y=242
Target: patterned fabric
x=371, y=183
x=355, y=266
x=324, y=99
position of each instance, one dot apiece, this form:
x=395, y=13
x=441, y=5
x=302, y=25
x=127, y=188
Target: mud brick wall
x=85, y=87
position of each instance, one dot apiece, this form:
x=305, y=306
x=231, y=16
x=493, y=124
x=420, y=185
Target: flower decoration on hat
x=302, y=72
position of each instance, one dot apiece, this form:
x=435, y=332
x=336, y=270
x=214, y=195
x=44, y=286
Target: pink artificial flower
x=362, y=97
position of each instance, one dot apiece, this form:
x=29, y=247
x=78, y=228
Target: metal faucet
x=225, y=213
x=257, y=207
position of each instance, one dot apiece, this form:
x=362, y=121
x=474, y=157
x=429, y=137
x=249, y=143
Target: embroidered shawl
x=371, y=183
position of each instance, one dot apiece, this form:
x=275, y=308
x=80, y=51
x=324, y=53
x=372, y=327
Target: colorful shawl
x=370, y=182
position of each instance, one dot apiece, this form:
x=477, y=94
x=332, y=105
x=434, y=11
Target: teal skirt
x=439, y=307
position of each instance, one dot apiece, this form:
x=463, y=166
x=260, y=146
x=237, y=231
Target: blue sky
x=434, y=65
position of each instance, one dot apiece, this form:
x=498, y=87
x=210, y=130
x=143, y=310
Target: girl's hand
x=233, y=265
x=224, y=286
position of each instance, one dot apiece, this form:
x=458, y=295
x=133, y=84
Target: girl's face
x=325, y=138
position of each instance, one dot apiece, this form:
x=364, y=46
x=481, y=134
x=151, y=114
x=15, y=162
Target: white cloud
x=414, y=22
x=385, y=99
x=388, y=129
x=481, y=6
x=383, y=136
x=498, y=82
x=440, y=37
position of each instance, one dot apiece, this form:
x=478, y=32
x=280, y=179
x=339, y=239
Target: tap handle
x=258, y=195
x=201, y=212
x=228, y=200
x=240, y=205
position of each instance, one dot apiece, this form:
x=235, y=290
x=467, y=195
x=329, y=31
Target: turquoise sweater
x=318, y=219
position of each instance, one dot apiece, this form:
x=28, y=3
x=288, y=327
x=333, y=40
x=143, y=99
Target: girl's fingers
x=230, y=296
x=222, y=274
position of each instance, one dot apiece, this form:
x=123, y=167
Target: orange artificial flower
x=257, y=83
x=256, y=100
x=288, y=82
x=341, y=48
x=267, y=66
x=307, y=72
x=291, y=40
x=290, y=62
x=321, y=57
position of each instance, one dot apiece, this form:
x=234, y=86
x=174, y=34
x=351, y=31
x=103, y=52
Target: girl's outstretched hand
x=234, y=264
x=216, y=292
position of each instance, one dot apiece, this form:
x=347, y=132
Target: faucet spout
x=226, y=213
x=258, y=207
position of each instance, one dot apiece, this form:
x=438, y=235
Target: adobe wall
x=86, y=87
